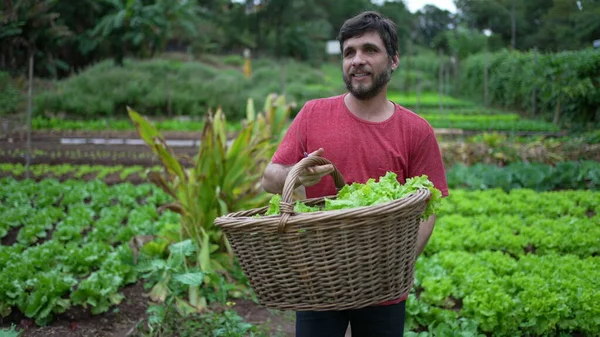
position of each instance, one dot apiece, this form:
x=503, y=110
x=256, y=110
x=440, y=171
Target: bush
x=540, y=177
x=408, y=80
x=156, y=86
x=173, y=88
x=233, y=60
x=10, y=97
x=566, y=83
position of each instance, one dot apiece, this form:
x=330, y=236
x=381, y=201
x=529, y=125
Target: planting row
x=83, y=155
x=108, y=174
x=447, y=119
x=428, y=99
x=519, y=222
x=69, y=243
x=503, y=264
x=511, y=264
x=540, y=177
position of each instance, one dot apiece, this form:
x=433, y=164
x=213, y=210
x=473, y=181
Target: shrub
x=172, y=88
x=566, y=83
x=10, y=97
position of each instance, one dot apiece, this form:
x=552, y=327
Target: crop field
x=537, y=251
x=95, y=235
x=129, y=127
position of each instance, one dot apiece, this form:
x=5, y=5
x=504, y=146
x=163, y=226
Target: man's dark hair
x=367, y=22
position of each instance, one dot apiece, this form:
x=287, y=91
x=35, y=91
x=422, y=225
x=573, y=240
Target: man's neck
x=376, y=109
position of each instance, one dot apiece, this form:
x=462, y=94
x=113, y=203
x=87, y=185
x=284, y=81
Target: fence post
x=485, y=79
x=407, y=83
x=447, y=81
x=534, y=93
x=441, y=80
x=29, y=107
x=283, y=77
x=513, y=26
x=418, y=91
x=557, y=85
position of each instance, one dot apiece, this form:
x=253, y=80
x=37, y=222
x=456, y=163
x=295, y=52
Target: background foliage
x=562, y=86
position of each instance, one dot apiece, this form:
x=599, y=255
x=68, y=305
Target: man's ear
x=395, y=61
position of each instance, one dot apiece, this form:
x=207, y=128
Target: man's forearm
x=274, y=177
x=425, y=230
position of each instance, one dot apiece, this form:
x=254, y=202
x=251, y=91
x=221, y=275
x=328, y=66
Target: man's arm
x=274, y=177
x=425, y=230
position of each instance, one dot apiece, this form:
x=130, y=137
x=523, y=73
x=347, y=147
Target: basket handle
x=286, y=206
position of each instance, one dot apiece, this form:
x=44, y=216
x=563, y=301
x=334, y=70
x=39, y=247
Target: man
x=364, y=135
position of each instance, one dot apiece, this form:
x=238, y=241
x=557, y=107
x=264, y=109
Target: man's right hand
x=312, y=175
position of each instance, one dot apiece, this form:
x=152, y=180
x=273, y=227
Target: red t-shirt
x=404, y=143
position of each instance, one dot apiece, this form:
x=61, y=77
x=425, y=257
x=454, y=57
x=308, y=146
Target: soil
x=47, y=148
x=123, y=319
x=278, y=323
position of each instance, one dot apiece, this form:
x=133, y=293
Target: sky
x=415, y=5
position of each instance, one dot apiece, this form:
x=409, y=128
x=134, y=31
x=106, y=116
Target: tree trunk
x=513, y=26
x=557, y=112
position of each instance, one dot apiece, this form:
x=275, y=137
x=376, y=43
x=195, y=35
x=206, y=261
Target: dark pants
x=375, y=321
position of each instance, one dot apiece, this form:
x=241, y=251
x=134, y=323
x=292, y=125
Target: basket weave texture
x=327, y=260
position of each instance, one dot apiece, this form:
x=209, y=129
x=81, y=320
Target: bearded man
x=365, y=135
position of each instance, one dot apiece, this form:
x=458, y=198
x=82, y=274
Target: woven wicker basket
x=328, y=260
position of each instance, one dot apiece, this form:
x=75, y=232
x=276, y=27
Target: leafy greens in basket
x=370, y=193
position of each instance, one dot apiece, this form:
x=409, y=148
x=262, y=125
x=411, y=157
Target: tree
x=29, y=29
x=549, y=25
x=142, y=29
x=432, y=22
x=405, y=23
x=464, y=42
x=568, y=25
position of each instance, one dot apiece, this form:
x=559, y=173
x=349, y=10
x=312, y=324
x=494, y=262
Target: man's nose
x=358, y=59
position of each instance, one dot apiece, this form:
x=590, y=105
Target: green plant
x=12, y=332
x=217, y=323
x=179, y=281
x=72, y=247
x=565, y=84
x=222, y=178
x=537, y=176
x=10, y=97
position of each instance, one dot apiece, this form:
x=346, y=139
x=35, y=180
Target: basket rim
x=239, y=220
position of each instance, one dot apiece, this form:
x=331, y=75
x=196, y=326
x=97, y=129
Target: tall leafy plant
x=223, y=177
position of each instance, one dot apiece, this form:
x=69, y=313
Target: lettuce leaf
x=371, y=193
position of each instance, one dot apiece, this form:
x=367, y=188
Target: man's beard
x=363, y=92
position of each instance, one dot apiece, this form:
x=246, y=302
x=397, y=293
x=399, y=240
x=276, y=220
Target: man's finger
x=320, y=169
x=318, y=152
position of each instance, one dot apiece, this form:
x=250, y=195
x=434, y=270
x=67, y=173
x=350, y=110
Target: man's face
x=367, y=68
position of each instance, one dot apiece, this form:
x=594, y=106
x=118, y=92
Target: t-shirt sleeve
x=292, y=147
x=427, y=159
